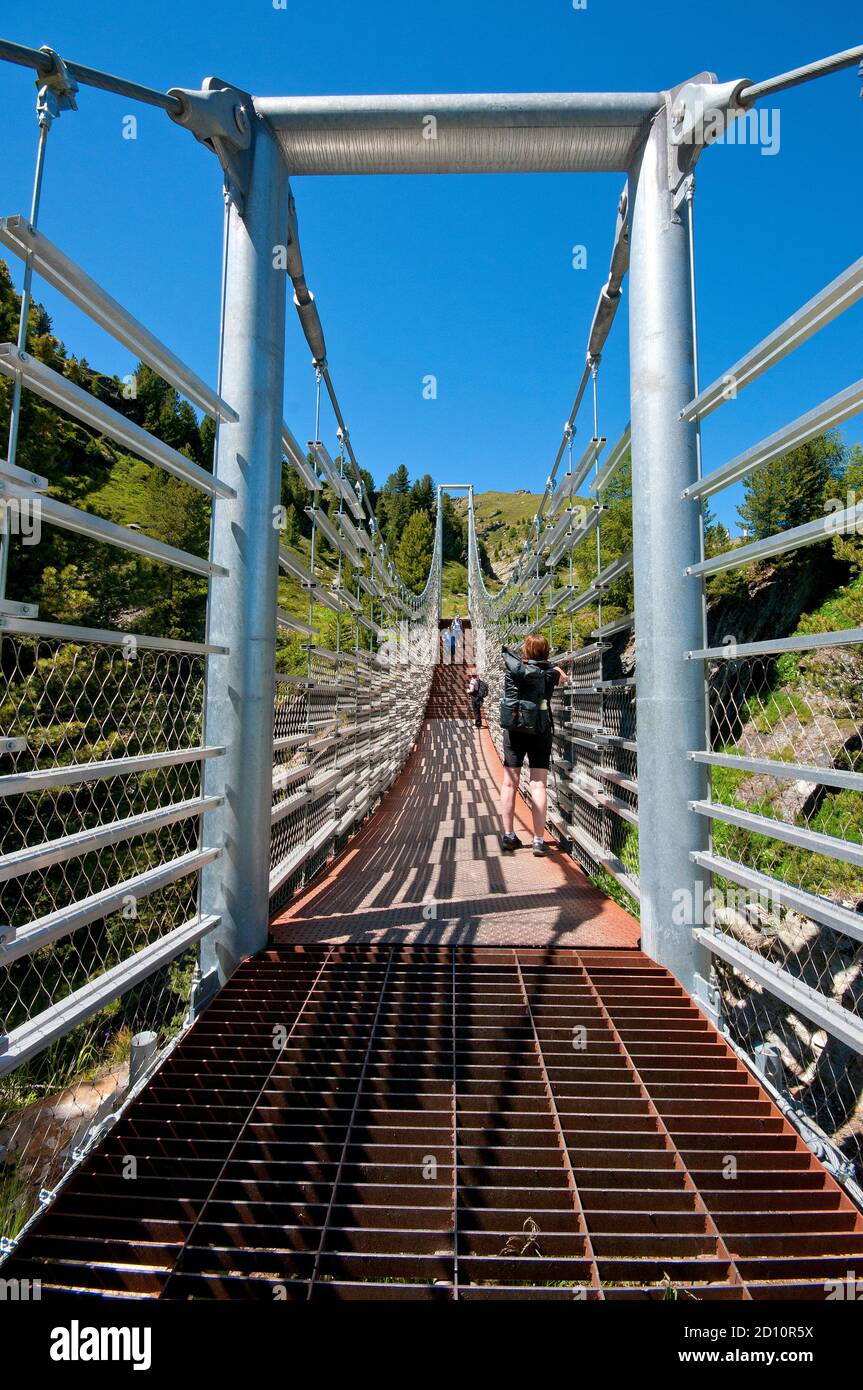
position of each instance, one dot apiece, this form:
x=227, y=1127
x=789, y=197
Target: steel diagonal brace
x=610, y=294
x=304, y=300
x=218, y=116
x=699, y=113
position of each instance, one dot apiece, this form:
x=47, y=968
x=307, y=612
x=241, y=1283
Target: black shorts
x=535, y=747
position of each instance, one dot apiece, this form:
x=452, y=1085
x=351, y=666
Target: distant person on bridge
x=477, y=690
x=454, y=634
x=528, y=729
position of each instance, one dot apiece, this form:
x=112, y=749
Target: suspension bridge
x=407, y=1065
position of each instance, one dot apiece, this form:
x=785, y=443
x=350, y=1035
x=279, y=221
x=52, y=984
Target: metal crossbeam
x=105, y=420
x=81, y=290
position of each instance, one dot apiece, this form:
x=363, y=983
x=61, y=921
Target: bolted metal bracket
x=709, y=1000
x=767, y=1058
x=56, y=90
x=204, y=988
x=699, y=112
x=220, y=117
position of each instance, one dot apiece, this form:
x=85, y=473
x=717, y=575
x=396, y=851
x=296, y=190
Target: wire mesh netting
x=341, y=735
x=803, y=709
x=593, y=779
x=75, y=705
x=54, y=1103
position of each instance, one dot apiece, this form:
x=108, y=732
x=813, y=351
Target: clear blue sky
x=468, y=278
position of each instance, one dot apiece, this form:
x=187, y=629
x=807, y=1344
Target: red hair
x=535, y=647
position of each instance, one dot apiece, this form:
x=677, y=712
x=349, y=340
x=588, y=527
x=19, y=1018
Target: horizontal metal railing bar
x=57, y=389
x=54, y=926
x=305, y=737
x=823, y=528
x=814, y=315
x=357, y=537
x=617, y=624
x=613, y=570
x=602, y=741
x=804, y=642
x=104, y=637
x=582, y=726
x=791, y=772
x=580, y=654
x=282, y=871
x=340, y=485
x=618, y=779
x=829, y=845
x=299, y=460
x=585, y=528
x=834, y=1019
x=604, y=578
x=613, y=462
x=293, y=803
x=623, y=683
x=345, y=597
x=586, y=790
x=287, y=620
x=312, y=683
x=122, y=537
x=825, y=416
x=39, y=1032
x=582, y=600
x=780, y=894
x=571, y=482
x=12, y=473
x=557, y=598
x=294, y=565
x=284, y=777
x=368, y=586
x=320, y=519
x=604, y=858
x=26, y=861
x=80, y=289
x=351, y=657
x=70, y=774
x=324, y=596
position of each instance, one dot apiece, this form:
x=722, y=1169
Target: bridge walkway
x=500, y=1099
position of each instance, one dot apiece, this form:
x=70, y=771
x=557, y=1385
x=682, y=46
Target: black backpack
x=481, y=690
x=525, y=694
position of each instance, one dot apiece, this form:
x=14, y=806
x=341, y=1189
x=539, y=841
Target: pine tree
x=792, y=489
x=414, y=553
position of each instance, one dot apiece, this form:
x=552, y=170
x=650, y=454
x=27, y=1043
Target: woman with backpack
x=528, y=729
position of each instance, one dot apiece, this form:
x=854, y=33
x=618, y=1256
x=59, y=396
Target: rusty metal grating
x=447, y=1122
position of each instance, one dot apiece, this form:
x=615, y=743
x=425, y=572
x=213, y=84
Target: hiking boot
x=510, y=842
x=539, y=847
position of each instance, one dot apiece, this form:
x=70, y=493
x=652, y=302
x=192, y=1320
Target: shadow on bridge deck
x=429, y=869
x=379, y=1106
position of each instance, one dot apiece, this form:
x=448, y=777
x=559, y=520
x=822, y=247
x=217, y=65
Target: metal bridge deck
x=429, y=867
x=379, y=1107
x=440, y=1122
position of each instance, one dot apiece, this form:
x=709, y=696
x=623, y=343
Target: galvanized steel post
x=668, y=604
x=240, y=686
